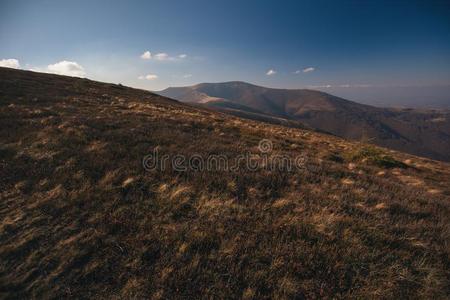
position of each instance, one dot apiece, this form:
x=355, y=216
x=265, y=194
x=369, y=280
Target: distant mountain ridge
x=420, y=132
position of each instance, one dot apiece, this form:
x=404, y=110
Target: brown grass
x=80, y=217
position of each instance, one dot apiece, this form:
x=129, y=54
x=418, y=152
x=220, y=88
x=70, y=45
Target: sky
x=346, y=47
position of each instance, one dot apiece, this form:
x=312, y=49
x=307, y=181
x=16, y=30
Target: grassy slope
x=79, y=216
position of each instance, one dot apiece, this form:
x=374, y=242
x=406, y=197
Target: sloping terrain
x=81, y=217
x=420, y=132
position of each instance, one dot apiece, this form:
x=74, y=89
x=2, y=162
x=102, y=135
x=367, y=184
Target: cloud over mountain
x=148, y=77
x=69, y=68
x=10, y=63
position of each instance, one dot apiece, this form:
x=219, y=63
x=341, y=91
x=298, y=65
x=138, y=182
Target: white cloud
x=297, y=72
x=341, y=86
x=271, y=72
x=69, y=68
x=148, y=77
x=10, y=63
x=146, y=55
x=310, y=69
x=320, y=86
x=187, y=75
x=162, y=56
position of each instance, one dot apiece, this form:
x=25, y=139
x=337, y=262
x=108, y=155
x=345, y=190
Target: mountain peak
x=400, y=130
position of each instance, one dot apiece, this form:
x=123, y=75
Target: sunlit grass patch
x=375, y=156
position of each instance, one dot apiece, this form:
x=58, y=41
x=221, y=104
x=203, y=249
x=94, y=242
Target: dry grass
x=80, y=217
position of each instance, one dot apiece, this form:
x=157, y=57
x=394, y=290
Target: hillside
x=82, y=217
x=420, y=132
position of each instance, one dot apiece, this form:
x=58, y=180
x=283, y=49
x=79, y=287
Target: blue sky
x=343, y=44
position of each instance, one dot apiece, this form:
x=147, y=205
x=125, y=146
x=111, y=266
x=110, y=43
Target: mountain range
x=423, y=132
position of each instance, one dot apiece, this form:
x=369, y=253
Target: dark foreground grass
x=80, y=217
